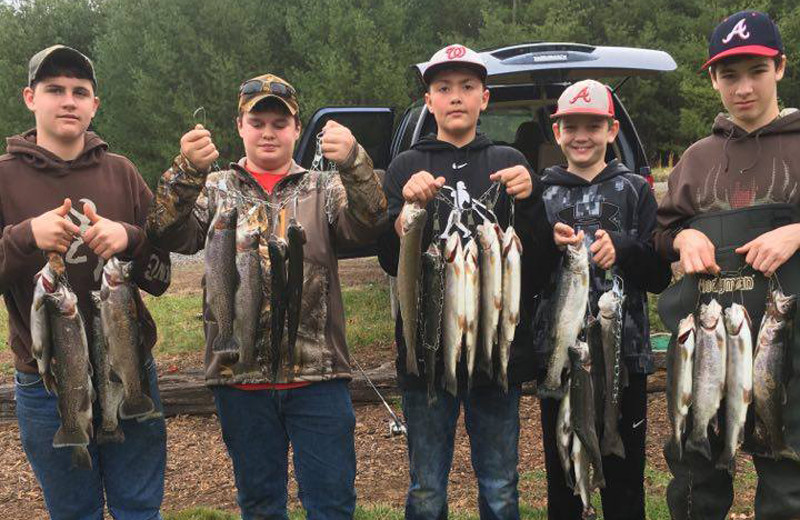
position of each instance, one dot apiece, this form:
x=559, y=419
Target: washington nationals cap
x=454, y=55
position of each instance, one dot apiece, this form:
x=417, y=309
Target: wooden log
x=186, y=393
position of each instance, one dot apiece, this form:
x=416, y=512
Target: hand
x=772, y=249
x=105, y=237
x=422, y=188
x=517, y=180
x=603, y=250
x=696, y=252
x=337, y=142
x=53, y=231
x=564, y=235
x=198, y=148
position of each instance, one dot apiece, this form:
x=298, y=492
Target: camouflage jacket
x=335, y=209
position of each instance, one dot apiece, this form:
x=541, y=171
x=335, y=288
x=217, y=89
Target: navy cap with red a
x=744, y=33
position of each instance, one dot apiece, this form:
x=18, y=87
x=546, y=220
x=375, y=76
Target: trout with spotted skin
x=491, y=292
x=409, y=269
x=512, y=289
x=472, y=291
x=679, y=380
x=221, y=277
x=455, y=321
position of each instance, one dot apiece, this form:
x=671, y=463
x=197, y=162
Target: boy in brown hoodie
x=730, y=216
x=61, y=190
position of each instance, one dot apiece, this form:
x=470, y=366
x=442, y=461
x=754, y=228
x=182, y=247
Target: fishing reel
x=397, y=428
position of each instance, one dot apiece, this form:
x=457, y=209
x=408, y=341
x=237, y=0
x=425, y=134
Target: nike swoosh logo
x=459, y=166
x=637, y=424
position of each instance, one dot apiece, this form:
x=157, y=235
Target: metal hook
x=195, y=115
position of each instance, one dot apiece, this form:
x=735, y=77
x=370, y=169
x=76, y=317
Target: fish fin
x=701, y=446
x=115, y=436
x=727, y=461
x=612, y=445
x=133, y=408
x=113, y=376
x=715, y=423
x=411, y=366
x=49, y=383
x=747, y=396
x=225, y=344
x=64, y=438
x=589, y=513
x=787, y=453
x=81, y=458
x=104, y=292
x=450, y=385
x=502, y=380
x=784, y=394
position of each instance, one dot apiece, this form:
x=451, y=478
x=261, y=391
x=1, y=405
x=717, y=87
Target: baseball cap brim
x=581, y=111
x=752, y=50
x=454, y=64
x=248, y=105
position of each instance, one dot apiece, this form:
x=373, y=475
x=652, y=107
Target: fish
x=610, y=315
x=455, y=320
x=249, y=296
x=738, y=382
x=472, y=291
x=571, y=299
x=278, y=252
x=296, y=236
x=583, y=487
x=431, y=313
x=582, y=410
x=491, y=291
x=708, y=376
x=680, y=358
x=512, y=293
x=564, y=435
x=72, y=374
x=409, y=269
x=109, y=393
x=221, y=276
x=119, y=314
x=46, y=282
x=770, y=371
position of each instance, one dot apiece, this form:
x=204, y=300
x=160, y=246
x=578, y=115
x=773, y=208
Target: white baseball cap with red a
x=455, y=55
x=585, y=97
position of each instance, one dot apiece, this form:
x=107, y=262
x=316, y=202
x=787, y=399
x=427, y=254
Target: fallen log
x=185, y=393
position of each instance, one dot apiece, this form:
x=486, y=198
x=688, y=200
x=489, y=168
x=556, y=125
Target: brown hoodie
x=34, y=181
x=731, y=169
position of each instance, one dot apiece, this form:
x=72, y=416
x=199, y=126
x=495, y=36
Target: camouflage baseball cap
x=63, y=52
x=265, y=86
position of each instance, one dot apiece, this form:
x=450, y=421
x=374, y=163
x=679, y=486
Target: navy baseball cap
x=744, y=33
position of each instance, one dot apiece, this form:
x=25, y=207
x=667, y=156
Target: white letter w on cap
x=740, y=30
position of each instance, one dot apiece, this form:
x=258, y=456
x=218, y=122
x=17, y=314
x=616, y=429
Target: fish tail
x=64, y=438
x=787, y=453
x=411, y=362
x=451, y=384
x=699, y=443
x=727, y=461
x=81, y=458
x=132, y=408
x=115, y=436
x=612, y=445
x=502, y=380
x=486, y=366
x=225, y=343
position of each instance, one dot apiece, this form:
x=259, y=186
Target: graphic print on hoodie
x=621, y=203
x=732, y=169
x=467, y=170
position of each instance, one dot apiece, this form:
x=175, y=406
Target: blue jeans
x=492, y=421
x=318, y=420
x=130, y=474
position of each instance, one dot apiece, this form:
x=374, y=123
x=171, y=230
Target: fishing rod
x=396, y=427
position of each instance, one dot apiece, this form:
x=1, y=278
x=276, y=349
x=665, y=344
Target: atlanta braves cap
x=746, y=32
x=454, y=55
x=585, y=97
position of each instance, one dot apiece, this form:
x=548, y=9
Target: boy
x=738, y=181
x=304, y=402
x=58, y=159
x=613, y=210
x=461, y=158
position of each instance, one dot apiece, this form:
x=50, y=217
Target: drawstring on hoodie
x=758, y=154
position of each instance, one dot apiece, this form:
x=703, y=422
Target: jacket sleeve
x=636, y=256
x=675, y=209
x=152, y=267
x=358, y=206
x=389, y=242
x=179, y=218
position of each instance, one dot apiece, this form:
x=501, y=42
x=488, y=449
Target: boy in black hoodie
x=467, y=165
x=613, y=210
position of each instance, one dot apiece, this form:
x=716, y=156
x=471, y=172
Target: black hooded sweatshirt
x=623, y=204
x=467, y=169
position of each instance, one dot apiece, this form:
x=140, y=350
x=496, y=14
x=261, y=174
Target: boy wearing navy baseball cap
x=731, y=207
x=612, y=210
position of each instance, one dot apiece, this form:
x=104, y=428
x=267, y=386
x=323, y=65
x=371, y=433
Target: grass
x=369, y=316
x=180, y=327
x=661, y=174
